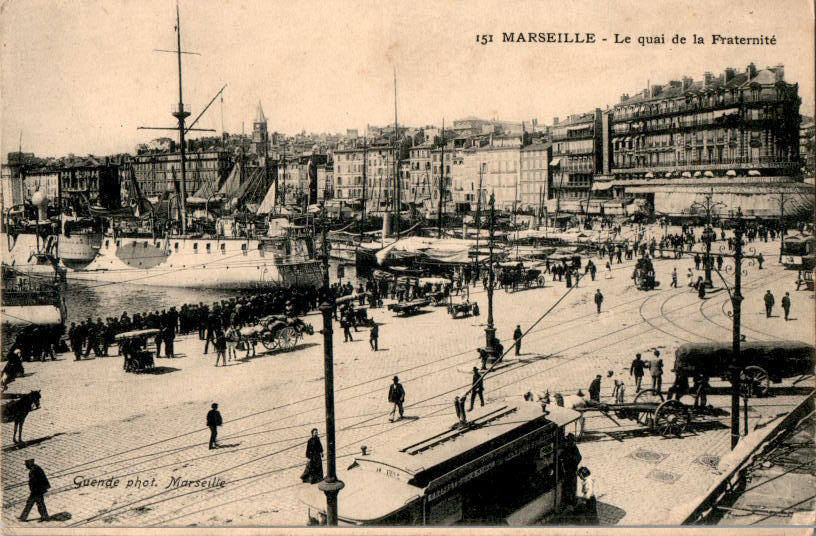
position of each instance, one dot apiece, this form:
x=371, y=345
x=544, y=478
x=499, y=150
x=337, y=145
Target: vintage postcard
x=278, y=266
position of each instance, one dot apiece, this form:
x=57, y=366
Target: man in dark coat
x=786, y=304
x=570, y=461
x=314, y=452
x=769, y=303
x=598, y=300
x=374, y=337
x=517, y=337
x=595, y=389
x=213, y=422
x=37, y=486
x=75, y=336
x=477, y=388
x=396, y=396
x=636, y=370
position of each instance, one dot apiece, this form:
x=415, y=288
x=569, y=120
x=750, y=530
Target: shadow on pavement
x=30, y=442
x=609, y=514
x=158, y=370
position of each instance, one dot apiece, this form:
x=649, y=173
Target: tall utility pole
x=490, y=330
x=707, y=206
x=781, y=224
x=736, y=304
x=441, y=180
x=331, y=486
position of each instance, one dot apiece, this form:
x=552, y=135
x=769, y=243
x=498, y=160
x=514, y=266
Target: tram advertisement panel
x=540, y=442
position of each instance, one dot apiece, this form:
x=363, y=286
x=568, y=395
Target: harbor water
x=108, y=300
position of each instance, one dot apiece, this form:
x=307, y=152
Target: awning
x=555, y=161
x=601, y=186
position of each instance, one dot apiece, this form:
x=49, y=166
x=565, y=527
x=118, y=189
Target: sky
x=80, y=76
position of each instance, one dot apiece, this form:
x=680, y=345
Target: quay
x=97, y=422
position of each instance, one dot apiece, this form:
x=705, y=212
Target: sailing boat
x=234, y=258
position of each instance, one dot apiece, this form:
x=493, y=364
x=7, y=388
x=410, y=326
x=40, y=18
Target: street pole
x=331, y=486
x=478, y=219
x=490, y=331
x=736, y=304
x=781, y=224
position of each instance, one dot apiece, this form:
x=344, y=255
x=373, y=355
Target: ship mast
x=363, y=215
x=441, y=179
x=396, y=161
x=181, y=115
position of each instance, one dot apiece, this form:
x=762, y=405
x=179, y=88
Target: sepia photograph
x=542, y=265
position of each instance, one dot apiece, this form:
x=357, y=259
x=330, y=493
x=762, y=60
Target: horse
x=18, y=409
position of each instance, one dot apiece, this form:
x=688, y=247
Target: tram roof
x=384, y=481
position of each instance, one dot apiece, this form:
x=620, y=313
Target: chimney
x=657, y=89
x=779, y=71
x=708, y=77
x=751, y=70
x=730, y=72
x=687, y=82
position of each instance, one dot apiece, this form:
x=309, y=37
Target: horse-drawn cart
x=409, y=307
x=644, y=275
x=463, y=309
x=276, y=332
x=135, y=347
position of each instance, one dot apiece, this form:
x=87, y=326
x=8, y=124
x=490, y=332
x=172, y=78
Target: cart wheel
x=287, y=338
x=648, y=396
x=754, y=382
x=541, y=281
x=671, y=418
x=268, y=341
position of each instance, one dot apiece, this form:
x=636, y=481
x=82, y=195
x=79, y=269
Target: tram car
x=502, y=467
x=644, y=275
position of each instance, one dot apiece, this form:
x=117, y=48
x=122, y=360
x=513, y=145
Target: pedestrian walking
x=760, y=260
x=619, y=391
x=313, y=472
x=598, y=300
x=374, y=336
x=674, y=277
x=38, y=485
x=75, y=337
x=396, y=396
x=213, y=422
x=636, y=370
x=719, y=263
x=595, y=389
x=700, y=391
x=769, y=303
x=656, y=368
x=608, y=270
x=786, y=304
x=697, y=261
x=701, y=292
x=477, y=388
x=221, y=347
x=346, y=329
x=517, y=337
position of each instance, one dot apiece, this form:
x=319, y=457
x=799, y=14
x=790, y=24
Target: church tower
x=260, y=133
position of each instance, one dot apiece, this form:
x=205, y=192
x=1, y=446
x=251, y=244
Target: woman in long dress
x=314, y=452
x=586, y=492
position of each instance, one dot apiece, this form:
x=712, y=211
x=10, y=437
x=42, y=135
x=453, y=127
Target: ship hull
x=199, y=263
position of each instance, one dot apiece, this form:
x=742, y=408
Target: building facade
x=738, y=121
x=157, y=172
x=535, y=181
x=379, y=173
x=577, y=155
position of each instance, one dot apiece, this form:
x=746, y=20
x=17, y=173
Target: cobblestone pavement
x=142, y=436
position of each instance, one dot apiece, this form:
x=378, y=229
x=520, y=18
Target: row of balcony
x=710, y=163
x=726, y=102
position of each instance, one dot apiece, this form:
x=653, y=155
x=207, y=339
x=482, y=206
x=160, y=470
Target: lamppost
x=708, y=233
x=331, y=486
x=478, y=218
x=490, y=330
x=735, y=366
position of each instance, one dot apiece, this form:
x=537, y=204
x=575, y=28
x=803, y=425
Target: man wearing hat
x=595, y=389
x=656, y=367
x=636, y=370
x=213, y=422
x=37, y=485
x=396, y=396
